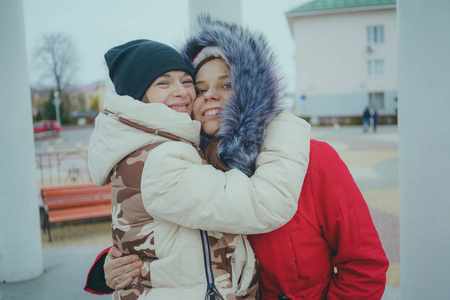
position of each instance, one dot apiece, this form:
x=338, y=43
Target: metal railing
x=62, y=168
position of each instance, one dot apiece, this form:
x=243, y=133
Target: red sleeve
x=358, y=255
x=95, y=281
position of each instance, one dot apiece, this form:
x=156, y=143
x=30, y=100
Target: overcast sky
x=98, y=25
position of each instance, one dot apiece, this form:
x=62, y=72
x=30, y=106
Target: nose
x=211, y=94
x=180, y=91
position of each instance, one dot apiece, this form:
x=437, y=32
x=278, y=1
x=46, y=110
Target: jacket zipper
x=211, y=291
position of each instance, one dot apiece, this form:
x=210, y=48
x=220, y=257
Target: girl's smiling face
x=213, y=86
x=174, y=89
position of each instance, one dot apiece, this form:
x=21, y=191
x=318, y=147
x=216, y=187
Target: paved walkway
x=64, y=276
x=65, y=270
x=372, y=160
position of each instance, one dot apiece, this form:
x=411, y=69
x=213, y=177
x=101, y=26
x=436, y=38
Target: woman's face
x=213, y=87
x=174, y=89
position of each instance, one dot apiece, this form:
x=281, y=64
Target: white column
x=229, y=10
x=424, y=148
x=20, y=238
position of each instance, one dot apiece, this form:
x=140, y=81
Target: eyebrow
x=220, y=77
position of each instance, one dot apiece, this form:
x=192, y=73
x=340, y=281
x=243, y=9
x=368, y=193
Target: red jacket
x=332, y=228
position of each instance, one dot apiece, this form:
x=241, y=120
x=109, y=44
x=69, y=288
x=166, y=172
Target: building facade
x=346, y=59
x=80, y=102
x=88, y=97
x=86, y=101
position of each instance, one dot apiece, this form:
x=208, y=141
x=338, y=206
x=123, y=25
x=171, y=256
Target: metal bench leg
x=42, y=218
x=49, y=234
x=47, y=226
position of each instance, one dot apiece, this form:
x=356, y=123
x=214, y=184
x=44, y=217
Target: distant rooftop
x=324, y=5
x=89, y=87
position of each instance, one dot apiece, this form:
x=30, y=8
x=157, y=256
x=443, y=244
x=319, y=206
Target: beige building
x=84, y=98
x=84, y=101
x=346, y=59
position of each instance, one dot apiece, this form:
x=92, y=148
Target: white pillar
x=20, y=238
x=424, y=148
x=230, y=10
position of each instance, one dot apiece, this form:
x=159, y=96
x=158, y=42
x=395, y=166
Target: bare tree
x=56, y=59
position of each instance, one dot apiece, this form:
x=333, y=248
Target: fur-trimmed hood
x=256, y=85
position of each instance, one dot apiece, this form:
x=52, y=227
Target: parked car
x=46, y=125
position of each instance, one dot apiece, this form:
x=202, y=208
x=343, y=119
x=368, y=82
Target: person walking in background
x=366, y=119
x=330, y=249
x=374, y=119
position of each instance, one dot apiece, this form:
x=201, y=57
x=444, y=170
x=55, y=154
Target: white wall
x=20, y=246
x=331, y=58
x=424, y=143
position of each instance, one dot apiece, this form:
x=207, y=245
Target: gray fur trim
x=256, y=85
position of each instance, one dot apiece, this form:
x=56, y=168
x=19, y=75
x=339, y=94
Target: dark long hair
x=212, y=157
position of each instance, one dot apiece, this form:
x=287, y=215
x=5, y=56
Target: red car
x=46, y=125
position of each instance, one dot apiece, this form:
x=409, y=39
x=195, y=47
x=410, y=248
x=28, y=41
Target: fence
x=62, y=168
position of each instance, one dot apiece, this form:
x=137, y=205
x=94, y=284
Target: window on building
x=375, y=34
x=376, y=100
x=375, y=67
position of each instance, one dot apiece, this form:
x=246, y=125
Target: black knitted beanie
x=134, y=66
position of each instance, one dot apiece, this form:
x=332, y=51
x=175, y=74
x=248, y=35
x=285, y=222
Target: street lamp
x=56, y=103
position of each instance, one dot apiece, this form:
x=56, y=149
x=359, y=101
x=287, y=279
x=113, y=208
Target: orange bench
x=75, y=202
